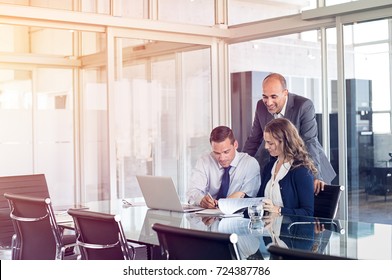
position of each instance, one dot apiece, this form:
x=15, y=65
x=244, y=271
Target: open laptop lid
x=160, y=193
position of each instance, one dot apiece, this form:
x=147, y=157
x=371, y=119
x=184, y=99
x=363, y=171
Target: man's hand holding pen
x=208, y=201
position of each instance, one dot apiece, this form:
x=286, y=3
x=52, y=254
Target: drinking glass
x=256, y=212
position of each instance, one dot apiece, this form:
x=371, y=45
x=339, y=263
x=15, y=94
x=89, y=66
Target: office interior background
x=94, y=92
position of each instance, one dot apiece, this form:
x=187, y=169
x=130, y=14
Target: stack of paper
x=229, y=207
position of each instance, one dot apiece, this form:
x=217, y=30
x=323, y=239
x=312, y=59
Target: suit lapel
x=265, y=117
x=289, y=107
x=269, y=117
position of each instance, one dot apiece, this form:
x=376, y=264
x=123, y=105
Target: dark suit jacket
x=296, y=189
x=300, y=111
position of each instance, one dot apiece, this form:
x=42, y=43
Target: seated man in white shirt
x=224, y=172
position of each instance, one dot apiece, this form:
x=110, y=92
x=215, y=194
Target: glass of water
x=256, y=212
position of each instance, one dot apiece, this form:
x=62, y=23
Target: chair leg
x=60, y=252
x=15, y=248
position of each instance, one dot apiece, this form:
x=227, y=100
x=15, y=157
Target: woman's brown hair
x=294, y=147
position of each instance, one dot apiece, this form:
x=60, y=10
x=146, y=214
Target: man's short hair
x=276, y=76
x=221, y=133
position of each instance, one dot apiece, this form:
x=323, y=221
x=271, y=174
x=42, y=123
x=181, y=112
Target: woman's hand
x=269, y=206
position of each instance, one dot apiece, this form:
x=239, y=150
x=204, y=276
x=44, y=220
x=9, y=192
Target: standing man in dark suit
x=277, y=102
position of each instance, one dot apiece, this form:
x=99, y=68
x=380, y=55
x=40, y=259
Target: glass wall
x=16, y=111
x=93, y=6
x=240, y=11
x=159, y=110
x=95, y=135
x=368, y=104
x=64, y=4
x=38, y=120
x=54, y=132
x=162, y=117
x=37, y=107
x=195, y=12
x=335, y=2
x=367, y=101
x=296, y=56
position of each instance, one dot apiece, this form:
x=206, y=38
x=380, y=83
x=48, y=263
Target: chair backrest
x=37, y=235
x=188, y=244
x=326, y=202
x=29, y=185
x=281, y=253
x=100, y=236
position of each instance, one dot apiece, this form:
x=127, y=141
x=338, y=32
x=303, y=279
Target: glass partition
x=95, y=145
x=37, y=104
x=162, y=115
x=53, y=4
x=27, y=39
x=336, y=2
x=240, y=11
x=57, y=78
x=200, y=12
x=368, y=105
x=54, y=132
x=16, y=111
x=295, y=56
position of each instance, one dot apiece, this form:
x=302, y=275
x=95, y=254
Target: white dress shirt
x=207, y=176
x=282, y=112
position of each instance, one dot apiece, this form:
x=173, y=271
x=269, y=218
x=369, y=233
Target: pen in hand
x=212, y=199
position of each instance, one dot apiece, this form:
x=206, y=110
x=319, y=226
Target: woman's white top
x=272, y=190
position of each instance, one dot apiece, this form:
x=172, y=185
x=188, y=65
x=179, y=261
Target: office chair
x=188, y=244
x=101, y=236
x=326, y=202
x=37, y=235
x=281, y=253
x=29, y=185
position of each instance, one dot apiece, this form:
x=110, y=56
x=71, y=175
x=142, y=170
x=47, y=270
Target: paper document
x=62, y=217
x=60, y=208
x=229, y=206
x=232, y=205
x=218, y=212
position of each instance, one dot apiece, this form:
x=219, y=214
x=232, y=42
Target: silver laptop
x=160, y=193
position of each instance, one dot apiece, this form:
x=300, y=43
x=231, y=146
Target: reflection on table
x=340, y=238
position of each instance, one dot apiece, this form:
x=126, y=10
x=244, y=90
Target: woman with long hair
x=287, y=180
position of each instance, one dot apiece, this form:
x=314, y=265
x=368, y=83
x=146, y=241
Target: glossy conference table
x=356, y=240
